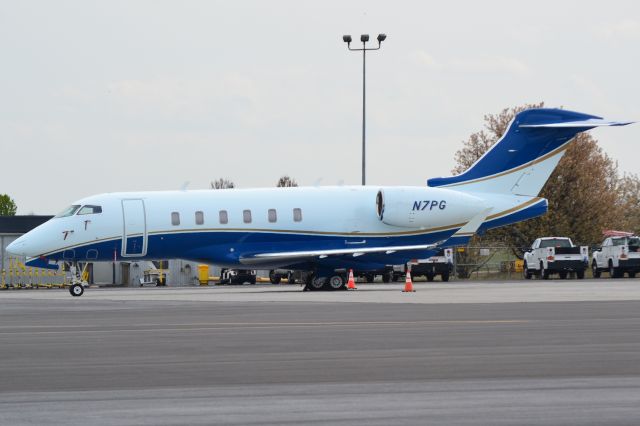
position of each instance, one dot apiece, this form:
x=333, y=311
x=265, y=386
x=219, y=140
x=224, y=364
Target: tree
x=286, y=182
x=629, y=203
x=582, y=191
x=222, y=183
x=7, y=206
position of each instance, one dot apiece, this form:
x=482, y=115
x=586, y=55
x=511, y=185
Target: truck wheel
x=613, y=272
x=563, y=275
x=274, y=278
x=430, y=277
x=386, y=277
x=291, y=278
x=525, y=271
x=445, y=276
x=544, y=273
x=594, y=270
x=369, y=277
x=632, y=274
x=580, y=274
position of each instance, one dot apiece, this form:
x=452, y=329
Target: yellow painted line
x=239, y=325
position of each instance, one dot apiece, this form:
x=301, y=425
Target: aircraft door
x=134, y=239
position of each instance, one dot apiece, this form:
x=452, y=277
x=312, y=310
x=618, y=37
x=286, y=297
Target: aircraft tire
x=335, y=282
x=317, y=283
x=76, y=290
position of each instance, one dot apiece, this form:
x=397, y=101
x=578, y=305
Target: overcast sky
x=147, y=95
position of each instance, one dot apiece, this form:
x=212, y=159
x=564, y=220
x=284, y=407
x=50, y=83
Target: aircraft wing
x=460, y=237
x=321, y=254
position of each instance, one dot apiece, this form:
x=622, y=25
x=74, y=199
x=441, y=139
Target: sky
x=105, y=96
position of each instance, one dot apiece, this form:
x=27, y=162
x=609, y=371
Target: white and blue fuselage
x=319, y=228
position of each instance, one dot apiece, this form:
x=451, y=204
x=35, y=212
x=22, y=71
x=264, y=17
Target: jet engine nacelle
x=413, y=207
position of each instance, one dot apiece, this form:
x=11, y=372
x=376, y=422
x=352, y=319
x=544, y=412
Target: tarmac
x=459, y=353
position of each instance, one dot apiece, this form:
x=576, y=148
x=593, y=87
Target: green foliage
x=7, y=206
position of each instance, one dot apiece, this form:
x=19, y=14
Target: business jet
x=323, y=229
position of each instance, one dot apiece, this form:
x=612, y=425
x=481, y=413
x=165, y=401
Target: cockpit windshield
x=90, y=210
x=68, y=211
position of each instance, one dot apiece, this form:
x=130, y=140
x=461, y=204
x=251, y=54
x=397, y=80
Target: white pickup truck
x=440, y=264
x=550, y=255
x=617, y=255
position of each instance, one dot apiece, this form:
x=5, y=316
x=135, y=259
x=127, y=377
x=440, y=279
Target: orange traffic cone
x=408, y=284
x=351, y=285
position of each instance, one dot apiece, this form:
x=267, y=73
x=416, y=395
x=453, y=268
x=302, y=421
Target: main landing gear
x=78, y=280
x=335, y=281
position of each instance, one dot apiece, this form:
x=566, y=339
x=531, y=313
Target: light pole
x=364, y=38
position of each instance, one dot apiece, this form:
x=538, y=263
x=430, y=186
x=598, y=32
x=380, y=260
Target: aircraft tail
x=523, y=159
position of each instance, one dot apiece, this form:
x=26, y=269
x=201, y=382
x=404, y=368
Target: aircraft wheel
x=335, y=282
x=76, y=290
x=317, y=283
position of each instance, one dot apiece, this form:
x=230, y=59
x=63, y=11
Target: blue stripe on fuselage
x=227, y=247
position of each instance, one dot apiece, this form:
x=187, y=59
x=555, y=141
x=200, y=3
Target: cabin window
x=224, y=217
x=273, y=216
x=199, y=218
x=175, y=218
x=246, y=216
x=297, y=215
x=90, y=210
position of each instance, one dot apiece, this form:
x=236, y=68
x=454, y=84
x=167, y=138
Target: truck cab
x=555, y=255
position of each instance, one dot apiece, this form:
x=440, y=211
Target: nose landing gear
x=78, y=280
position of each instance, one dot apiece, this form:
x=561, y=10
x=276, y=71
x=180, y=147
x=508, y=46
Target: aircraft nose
x=17, y=247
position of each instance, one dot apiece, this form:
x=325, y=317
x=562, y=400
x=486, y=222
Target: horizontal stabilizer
x=593, y=122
